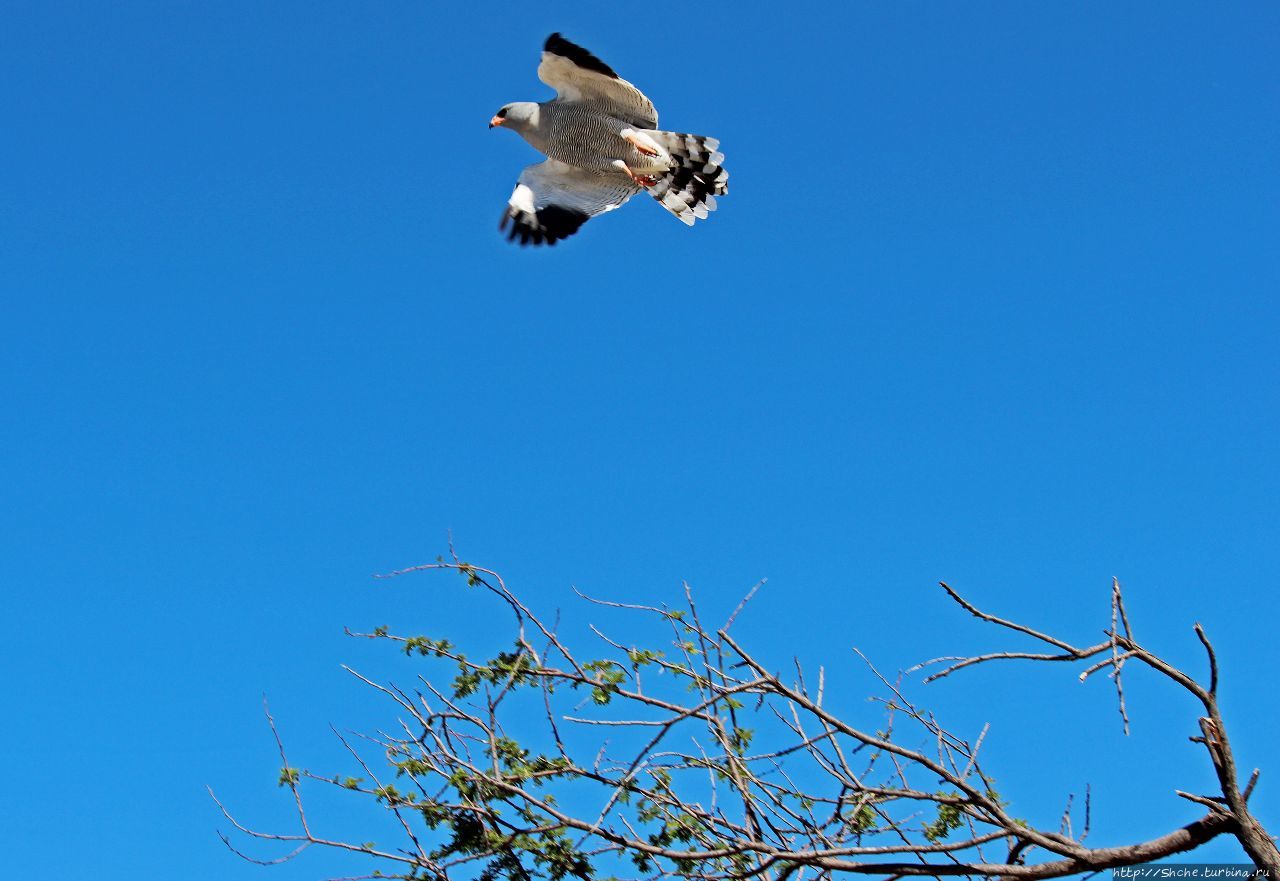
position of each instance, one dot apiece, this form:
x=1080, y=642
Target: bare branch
x=1213, y=659
x=978, y=613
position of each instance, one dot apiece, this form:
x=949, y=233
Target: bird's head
x=519, y=116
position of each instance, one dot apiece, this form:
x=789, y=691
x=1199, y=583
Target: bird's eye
x=502, y=114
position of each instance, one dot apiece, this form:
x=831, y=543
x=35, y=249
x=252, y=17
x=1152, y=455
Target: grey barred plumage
x=583, y=135
x=603, y=146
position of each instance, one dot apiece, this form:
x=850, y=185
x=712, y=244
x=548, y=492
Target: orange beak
x=497, y=120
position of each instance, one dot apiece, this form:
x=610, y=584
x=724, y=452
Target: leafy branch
x=498, y=772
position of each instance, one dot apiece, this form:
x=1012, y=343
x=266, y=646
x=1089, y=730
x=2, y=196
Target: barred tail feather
x=690, y=188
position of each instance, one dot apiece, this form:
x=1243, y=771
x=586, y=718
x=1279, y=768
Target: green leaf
x=949, y=819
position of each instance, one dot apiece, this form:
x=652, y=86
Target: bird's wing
x=552, y=199
x=577, y=75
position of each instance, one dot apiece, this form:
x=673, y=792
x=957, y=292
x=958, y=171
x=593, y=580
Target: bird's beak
x=497, y=120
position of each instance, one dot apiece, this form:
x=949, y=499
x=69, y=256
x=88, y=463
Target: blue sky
x=992, y=300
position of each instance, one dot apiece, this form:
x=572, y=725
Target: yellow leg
x=640, y=180
x=633, y=138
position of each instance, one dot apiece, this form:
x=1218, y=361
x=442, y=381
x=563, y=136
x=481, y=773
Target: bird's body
x=587, y=137
x=603, y=146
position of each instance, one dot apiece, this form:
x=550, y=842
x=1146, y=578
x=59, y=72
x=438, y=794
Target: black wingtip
x=545, y=227
x=558, y=45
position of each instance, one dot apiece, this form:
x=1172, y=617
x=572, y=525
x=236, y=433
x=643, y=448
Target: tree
x=497, y=774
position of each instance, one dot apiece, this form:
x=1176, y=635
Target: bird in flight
x=601, y=139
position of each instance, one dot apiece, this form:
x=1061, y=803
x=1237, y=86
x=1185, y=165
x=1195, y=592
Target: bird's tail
x=690, y=188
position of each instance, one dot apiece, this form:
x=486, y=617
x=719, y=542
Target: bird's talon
x=639, y=180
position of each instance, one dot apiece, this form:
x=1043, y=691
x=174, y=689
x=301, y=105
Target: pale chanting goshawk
x=601, y=139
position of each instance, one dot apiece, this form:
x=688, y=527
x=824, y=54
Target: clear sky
x=992, y=300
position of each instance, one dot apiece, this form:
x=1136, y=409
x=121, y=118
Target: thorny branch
x=678, y=791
